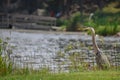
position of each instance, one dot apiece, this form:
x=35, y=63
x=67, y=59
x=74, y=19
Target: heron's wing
x=105, y=59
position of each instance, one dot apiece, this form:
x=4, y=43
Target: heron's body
x=101, y=59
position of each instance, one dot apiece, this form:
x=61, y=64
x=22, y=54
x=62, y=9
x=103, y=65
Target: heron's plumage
x=101, y=59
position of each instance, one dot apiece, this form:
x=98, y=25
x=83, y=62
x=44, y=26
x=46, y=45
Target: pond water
x=38, y=49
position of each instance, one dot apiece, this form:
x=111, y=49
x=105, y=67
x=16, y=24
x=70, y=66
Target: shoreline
x=44, y=31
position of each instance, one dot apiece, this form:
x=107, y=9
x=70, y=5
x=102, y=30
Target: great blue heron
x=101, y=59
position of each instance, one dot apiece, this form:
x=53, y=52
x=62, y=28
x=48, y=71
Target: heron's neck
x=95, y=46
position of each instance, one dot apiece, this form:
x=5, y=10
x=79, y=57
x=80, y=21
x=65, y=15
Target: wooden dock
x=20, y=21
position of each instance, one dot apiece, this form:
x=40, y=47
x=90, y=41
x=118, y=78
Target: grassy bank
x=92, y=75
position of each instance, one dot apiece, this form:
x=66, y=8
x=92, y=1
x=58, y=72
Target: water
x=37, y=49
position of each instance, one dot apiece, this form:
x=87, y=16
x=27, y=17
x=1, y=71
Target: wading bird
x=101, y=59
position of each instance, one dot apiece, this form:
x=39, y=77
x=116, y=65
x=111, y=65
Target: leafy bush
x=73, y=21
x=61, y=22
x=107, y=30
x=105, y=24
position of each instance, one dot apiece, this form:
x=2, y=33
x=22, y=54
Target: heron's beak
x=85, y=28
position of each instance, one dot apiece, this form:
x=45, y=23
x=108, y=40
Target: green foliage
x=61, y=22
x=112, y=7
x=23, y=71
x=44, y=71
x=5, y=64
x=105, y=23
x=76, y=63
x=27, y=71
x=107, y=30
x=106, y=18
x=73, y=21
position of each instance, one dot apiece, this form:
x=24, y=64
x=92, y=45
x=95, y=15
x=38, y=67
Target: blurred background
x=71, y=15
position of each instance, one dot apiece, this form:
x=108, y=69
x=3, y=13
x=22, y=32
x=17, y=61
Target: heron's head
x=88, y=28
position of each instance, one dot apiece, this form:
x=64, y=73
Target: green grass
x=92, y=75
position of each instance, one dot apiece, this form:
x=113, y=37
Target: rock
x=118, y=34
x=56, y=28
